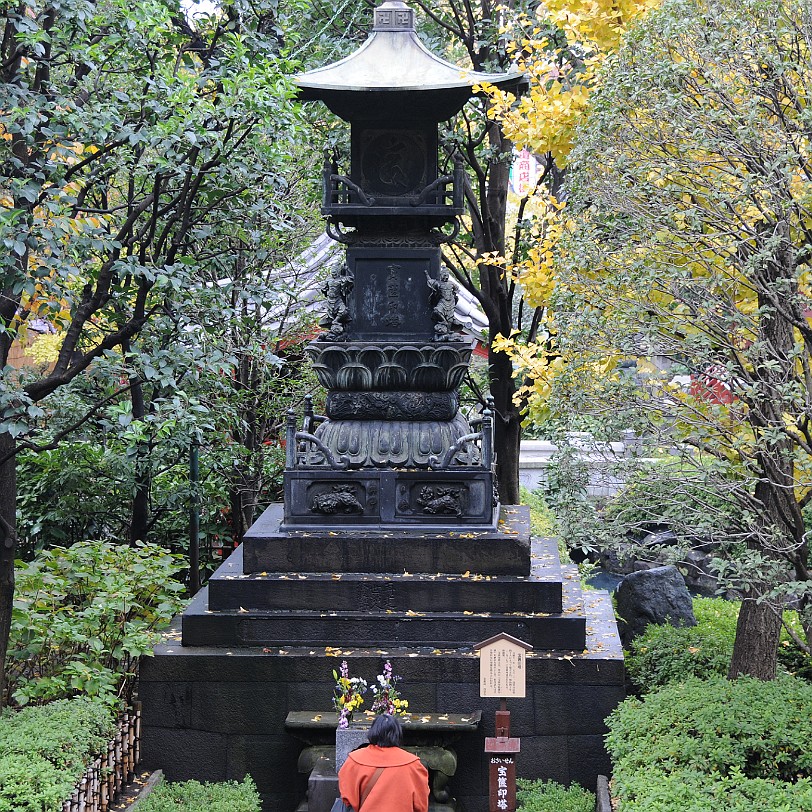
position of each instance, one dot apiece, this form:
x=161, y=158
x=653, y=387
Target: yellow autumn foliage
x=535, y=272
x=544, y=119
x=600, y=22
x=45, y=348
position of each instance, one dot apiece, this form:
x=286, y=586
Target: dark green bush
x=664, y=653
x=45, y=750
x=82, y=617
x=547, y=796
x=191, y=796
x=690, y=744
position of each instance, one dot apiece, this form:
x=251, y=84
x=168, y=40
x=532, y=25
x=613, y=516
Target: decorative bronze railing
x=444, y=192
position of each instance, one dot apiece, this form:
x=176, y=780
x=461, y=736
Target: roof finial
x=393, y=15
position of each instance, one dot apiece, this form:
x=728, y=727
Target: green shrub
x=680, y=747
x=664, y=653
x=32, y=784
x=45, y=750
x=83, y=615
x=686, y=498
x=191, y=796
x=547, y=796
x=69, y=733
x=694, y=791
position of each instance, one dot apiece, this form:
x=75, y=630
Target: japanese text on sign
x=502, y=784
x=501, y=670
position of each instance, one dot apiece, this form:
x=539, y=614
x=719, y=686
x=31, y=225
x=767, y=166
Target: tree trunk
x=507, y=427
x=8, y=545
x=507, y=420
x=757, y=635
x=142, y=481
x=758, y=631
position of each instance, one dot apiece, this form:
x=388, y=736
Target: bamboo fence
x=105, y=778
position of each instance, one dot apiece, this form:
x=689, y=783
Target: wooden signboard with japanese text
x=502, y=666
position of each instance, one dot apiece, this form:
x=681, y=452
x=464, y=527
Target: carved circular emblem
x=394, y=164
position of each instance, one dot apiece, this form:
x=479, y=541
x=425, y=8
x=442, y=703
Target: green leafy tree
x=128, y=136
x=689, y=246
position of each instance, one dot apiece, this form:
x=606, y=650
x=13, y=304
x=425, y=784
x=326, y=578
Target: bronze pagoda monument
x=390, y=543
x=394, y=450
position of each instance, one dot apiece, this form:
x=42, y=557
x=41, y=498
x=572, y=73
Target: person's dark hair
x=386, y=732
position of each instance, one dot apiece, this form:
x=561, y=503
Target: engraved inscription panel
x=394, y=162
x=391, y=298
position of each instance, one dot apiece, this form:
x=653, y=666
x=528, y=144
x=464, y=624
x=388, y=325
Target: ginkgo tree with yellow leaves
x=688, y=238
x=562, y=63
x=560, y=46
x=498, y=240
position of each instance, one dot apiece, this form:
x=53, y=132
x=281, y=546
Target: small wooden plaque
x=501, y=666
x=502, y=784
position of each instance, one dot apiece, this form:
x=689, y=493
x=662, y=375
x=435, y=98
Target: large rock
x=656, y=595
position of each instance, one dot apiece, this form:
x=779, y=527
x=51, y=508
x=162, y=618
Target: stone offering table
x=428, y=736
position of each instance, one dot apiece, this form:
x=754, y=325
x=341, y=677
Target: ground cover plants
x=708, y=744
x=192, y=796
x=45, y=750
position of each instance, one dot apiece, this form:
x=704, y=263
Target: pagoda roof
x=394, y=60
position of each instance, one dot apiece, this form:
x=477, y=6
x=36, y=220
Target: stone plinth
x=503, y=550
x=263, y=642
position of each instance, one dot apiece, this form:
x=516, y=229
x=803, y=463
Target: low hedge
x=45, y=750
x=548, y=796
x=695, y=791
x=192, y=796
x=705, y=745
x=664, y=653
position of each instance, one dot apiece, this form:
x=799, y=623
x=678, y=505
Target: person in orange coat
x=401, y=786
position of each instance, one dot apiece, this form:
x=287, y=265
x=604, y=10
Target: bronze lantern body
x=393, y=449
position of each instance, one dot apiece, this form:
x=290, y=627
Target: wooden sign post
x=502, y=674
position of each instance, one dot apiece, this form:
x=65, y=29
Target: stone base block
x=501, y=551
x=215, y=713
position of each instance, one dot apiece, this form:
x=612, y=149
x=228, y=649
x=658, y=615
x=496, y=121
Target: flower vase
x=348, y=739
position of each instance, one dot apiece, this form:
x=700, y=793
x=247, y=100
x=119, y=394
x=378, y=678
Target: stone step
x=541, y=591
x=263, y=627
x=504, y=551
x=573, y=593
x=212, y=712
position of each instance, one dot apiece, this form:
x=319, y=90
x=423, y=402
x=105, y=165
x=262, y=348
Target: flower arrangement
x=387, y=697
x=348, y=695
